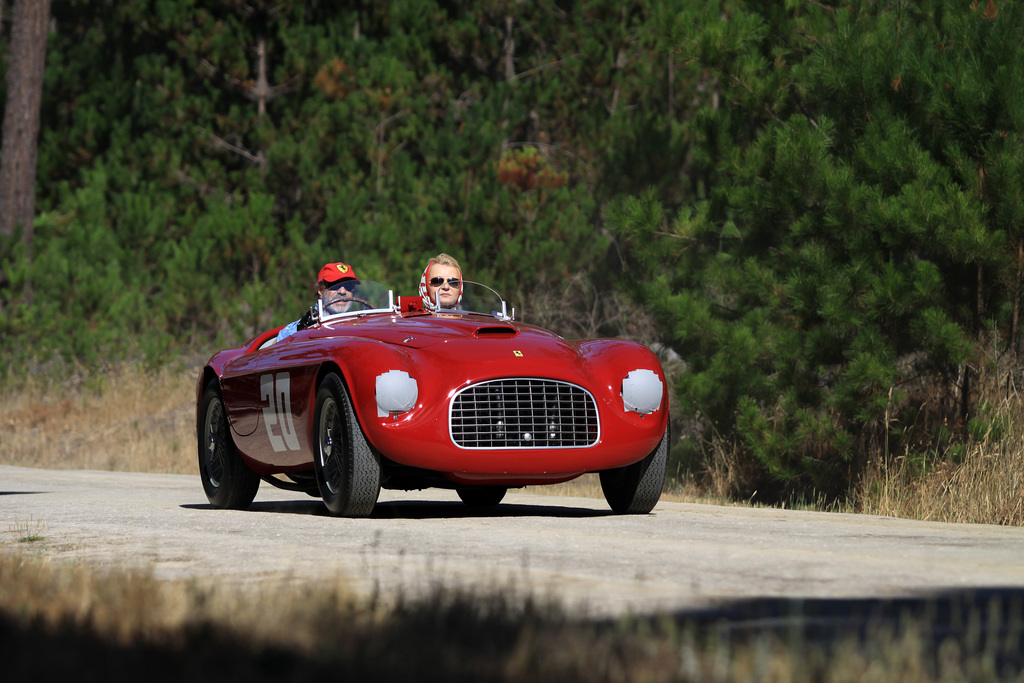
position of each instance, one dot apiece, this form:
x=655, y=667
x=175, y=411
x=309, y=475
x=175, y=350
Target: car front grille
x=524, y=413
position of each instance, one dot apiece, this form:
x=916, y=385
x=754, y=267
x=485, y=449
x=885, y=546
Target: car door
x=281, y=388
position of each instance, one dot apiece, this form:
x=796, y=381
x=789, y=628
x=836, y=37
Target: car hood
x=466, y=337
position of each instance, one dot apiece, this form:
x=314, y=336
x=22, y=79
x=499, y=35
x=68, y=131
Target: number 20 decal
x=277, y=391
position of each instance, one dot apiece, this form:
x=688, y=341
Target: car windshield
x=477, y=298
x=355, y=297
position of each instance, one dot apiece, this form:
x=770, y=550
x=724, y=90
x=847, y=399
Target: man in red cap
x=334, y=287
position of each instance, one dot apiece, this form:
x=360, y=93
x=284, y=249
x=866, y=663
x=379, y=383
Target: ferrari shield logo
x=517, y=354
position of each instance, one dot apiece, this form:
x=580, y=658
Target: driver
x=441, y=282
x=334, y=288
x=337, y=298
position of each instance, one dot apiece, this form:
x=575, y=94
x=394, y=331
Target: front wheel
x=347, y=470
x=228, y=482
x=635, y=489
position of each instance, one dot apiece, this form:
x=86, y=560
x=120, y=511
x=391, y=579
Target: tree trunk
x=1015, y=325
x=21, y=121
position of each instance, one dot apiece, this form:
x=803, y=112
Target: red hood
x=460, y=337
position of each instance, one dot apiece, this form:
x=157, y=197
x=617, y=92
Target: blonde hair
x=446, y=260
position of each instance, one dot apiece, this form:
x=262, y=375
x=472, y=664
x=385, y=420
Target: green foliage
x=854, y=243
x=201, y=160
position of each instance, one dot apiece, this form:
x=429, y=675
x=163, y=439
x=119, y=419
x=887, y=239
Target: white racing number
x=277, y=392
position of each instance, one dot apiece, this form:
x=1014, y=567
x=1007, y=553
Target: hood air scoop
x=495, y=329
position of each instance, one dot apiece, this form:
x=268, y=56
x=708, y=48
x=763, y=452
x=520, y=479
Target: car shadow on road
x=444, y=509
x=419, y=509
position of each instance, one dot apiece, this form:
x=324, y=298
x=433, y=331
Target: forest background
x=814, y=211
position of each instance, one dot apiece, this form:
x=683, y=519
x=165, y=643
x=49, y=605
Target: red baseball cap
x=336, y=272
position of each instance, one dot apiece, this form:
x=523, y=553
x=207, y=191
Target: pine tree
x=858, y=254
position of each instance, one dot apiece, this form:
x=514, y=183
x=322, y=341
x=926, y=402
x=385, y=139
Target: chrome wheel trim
x=215, y=436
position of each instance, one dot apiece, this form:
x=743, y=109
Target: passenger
x=334, y=289
x=441, y=282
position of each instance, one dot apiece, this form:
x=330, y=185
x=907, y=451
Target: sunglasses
x=452, y=282
x=348, y=285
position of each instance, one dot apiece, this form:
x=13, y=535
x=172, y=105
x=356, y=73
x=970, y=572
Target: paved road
x=682, y=556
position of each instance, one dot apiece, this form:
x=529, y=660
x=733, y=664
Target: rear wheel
x=228, y=482
x=347, y=470
x=635, y=489
x=481, y=496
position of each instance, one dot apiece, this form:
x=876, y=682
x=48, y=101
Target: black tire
x=227, y=480
x=481, y=496
x=347, y=470
x=635, y=489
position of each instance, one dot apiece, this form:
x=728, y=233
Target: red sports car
x=394, y=394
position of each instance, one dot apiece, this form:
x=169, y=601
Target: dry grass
x=103, y=624
x=128, y=607
x=986, y=486
x=129, y=419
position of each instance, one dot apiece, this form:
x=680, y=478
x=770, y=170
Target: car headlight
x=396, y=392
x=641, y=391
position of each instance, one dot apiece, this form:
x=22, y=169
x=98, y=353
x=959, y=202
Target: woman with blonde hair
x=441, y=282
